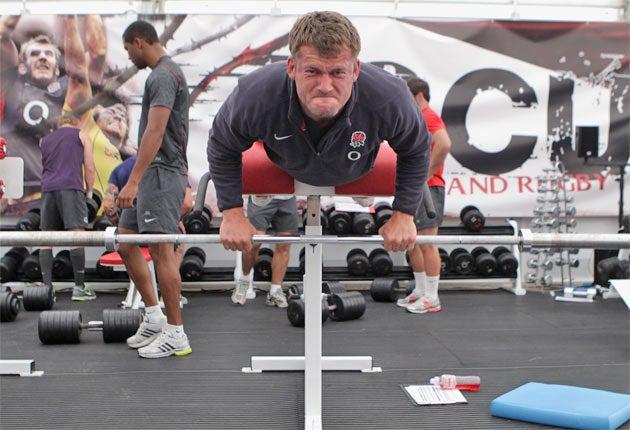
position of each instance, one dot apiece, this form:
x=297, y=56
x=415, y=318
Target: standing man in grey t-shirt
x=158, y=184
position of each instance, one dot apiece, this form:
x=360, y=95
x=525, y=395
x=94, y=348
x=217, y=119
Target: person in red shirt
x=425, y=259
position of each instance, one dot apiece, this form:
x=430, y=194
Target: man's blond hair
x=328, y=32
x=68, y=119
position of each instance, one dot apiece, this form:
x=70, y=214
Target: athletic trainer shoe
x=146, y=333
x=406, y=301
x=423, y=306
x=239, y=295
x=82, y=294
x=277, y=299
x=166, y=344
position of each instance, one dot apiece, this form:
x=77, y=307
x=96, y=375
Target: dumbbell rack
x=489, y=230
x=553, y=215
x=313, y=363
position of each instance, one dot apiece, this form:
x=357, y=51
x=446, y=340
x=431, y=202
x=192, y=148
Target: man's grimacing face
x=324, y=84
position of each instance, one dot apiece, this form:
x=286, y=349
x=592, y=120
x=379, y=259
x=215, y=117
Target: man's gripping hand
x=399, y=232
x=236, y=231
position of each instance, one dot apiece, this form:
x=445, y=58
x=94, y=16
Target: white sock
x=274, y=289
x=421, y=284
x=249, y=276
x=174, y=330
x=432, y=287
x=154, y=314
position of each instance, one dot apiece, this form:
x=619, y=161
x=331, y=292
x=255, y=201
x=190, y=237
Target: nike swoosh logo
x=275, y=136
x=148, y=220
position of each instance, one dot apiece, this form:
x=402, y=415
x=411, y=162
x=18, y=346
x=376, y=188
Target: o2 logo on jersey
x=35, y=112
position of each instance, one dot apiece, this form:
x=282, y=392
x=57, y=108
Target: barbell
x=110, y=238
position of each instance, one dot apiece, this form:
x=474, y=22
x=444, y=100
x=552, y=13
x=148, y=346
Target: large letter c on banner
x=456, y=105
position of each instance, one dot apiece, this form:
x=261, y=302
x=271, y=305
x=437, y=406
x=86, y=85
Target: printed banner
x=511, y=94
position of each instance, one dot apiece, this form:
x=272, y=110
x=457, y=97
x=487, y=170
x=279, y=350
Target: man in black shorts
x=268, y=213
x=66, y=152
x=158, y=184
x=425, y=259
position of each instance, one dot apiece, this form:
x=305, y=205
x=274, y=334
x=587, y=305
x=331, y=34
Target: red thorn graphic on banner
x=248, y=56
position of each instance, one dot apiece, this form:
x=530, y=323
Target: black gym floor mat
x=507, y=340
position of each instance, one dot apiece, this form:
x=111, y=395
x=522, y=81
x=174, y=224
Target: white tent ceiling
x=552, y=10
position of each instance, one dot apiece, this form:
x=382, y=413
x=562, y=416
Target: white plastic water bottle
x=469, y=383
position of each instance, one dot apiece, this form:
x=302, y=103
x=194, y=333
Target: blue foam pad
x=564, y=406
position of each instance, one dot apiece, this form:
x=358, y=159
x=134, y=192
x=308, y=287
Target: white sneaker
x=166, y=344
x=423, y=306
x=147, y=333
x=239, y=295
x=277, y=299
x=406, y=301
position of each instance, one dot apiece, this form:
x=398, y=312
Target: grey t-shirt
x=166, y=86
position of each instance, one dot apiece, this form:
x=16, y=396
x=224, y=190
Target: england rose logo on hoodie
x=358, y=139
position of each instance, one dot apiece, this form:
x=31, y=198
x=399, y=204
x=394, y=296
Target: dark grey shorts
x=63, y=210
x=158, y=204
x=279, y=216
x=422, y=220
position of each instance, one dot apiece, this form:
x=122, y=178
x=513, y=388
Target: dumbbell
x=358, y=262
x=380, y=262
x=337, y=306
x=388, y=290
x=463, y=263
x=31, y=267
x=62, y=265
x=105, y=272
x=571, y=262
x=296, y=309
x=38, y=297
x=9, y=305
x=507, y=264
x=339, y=222
x=382, y=213
x=545, y=280
x=551, y=189
x=29, y=221
x=198, y=221
x=485, y=263
x=296, y=291
x=538, y=223
x=363, y=223
x=11, y=262
x=554, y=199
x=63, y=327
x=445, y=262
x=262, y=267
x=296, y=312
x=472, y=218
x=93, y=204
x=571, y=222
x=533, y=263
x=613, y=268
x=101, y=223
x=191, y=268
x=541, y=210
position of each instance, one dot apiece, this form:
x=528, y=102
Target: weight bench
x=133, y=300
x=380, y=181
